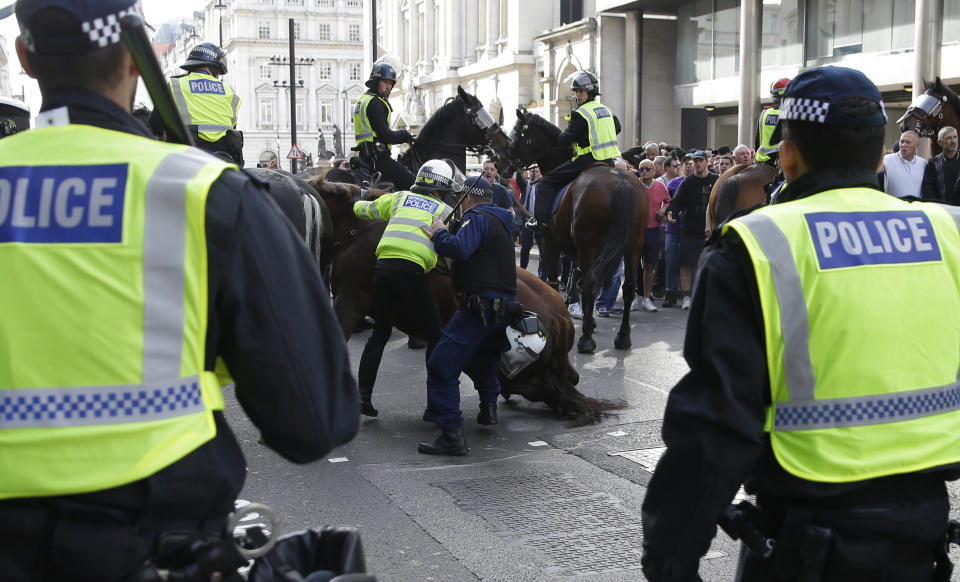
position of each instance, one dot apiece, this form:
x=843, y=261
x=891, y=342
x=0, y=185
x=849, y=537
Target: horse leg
x=349, y=313
x=631, y=264
x=586, y=344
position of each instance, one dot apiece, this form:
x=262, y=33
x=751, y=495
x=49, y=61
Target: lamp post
x=220, y=6
x=343, y=132
x=293, y=62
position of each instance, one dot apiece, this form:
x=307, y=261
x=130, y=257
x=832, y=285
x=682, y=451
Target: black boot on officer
x=450, y=442
x=488, y=413
x=366, y=402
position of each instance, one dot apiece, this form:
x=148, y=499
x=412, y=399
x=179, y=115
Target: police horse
x=550, y=379
x=600, y=220
x=739, y=188
x=937, y=107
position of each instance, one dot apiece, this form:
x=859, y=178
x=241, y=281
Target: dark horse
x=739, y=188
x=935, y=108
x=551, y=379
x=601, y=219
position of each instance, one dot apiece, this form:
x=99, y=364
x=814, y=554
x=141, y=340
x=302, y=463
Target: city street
x=535, y=499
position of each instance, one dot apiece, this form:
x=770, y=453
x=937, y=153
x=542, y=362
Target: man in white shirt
x=904, y=169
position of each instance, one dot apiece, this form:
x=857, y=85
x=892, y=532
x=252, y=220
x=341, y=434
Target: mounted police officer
x=404, y=257
x=371, y=124
x=208, y=105
x=132, y=266
x=592, y=133
x=768, y=134
x=485, y=278
x=844, y=424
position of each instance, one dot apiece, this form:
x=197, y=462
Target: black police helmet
x=381, y=71
x=206, y=54
x=585, y=81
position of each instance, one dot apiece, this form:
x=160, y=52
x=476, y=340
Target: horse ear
x=460, y=91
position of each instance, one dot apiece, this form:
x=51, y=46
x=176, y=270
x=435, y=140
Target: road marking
x=618, y=433
x=418, y=469
x=338, y=460
x=538, y=444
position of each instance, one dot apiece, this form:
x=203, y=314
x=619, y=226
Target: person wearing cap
x=689, y=208
x=768, y=132
x=371, y=124
x=208, y=105
x=485, y=278
x=137, y=268
x=592, y=133
x=845, y=425
x=405, y=256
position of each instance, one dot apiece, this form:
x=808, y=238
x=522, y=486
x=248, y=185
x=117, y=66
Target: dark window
x=570, y=11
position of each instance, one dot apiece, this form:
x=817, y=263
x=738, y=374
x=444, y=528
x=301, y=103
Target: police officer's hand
x=407, y=138
x=437, y=225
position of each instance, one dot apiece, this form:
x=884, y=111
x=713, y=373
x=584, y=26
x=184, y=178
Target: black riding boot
x=366, y=402
x=448, y=443
x=488, y=413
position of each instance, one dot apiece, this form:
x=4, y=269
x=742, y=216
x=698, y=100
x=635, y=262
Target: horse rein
x=926, y=105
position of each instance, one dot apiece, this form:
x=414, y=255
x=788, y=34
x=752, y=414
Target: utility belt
x=371, y=150
x=232, y=141
x=490, y=310
x=803, y=548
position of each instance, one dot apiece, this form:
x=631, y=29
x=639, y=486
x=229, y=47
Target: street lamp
x=293, y=62
x=343, y=131
x=220, y=6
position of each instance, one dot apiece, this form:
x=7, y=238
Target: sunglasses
x=646, y=169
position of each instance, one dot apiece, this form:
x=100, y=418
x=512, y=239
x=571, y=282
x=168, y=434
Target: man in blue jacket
x=485, y=279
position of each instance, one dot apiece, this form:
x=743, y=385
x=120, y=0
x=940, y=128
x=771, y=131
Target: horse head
x=534, y=139
x=926, y=113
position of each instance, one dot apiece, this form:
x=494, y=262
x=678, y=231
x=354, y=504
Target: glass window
x=570, y=11
x=265, y=71
x=263, y=30
x=325, y=31
x=694, y=41
x=354, y=33
x=951, y=21
x=355, y=72
x=266, y=111
x=296, y=31
x=904, y=12
x=301, y=115
x=326, y=111
x=323, y=70
x=726, y=38
x=781, y=41
x=836, y=28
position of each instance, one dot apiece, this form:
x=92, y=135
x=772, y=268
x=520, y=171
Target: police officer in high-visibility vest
x=371, y=125
x=845, y=424
x=485, y=278
x=131, y=265
x=405, y=256
x=208, y=105
x=768, y=133
x=592, y=133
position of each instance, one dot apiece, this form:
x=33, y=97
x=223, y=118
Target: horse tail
x=314, y=227
x=622, y=217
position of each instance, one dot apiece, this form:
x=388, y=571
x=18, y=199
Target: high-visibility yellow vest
x=103, y=333
x=602, y=131
x=406, y=213
x=361, y=125
x=767, y=124
x=207, y=102
x=863, y=376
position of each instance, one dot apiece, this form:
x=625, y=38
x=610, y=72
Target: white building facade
x=329, y=75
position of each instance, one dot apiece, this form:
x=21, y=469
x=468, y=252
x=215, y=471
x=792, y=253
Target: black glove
x=405, y=135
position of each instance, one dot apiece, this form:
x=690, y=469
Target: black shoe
x=488, y=413
x=448, y=443
x=416, y=343
x=366, y=407
x=670, y=301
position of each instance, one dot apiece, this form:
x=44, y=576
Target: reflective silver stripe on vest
x=98, y=405
x=365, y=123
x=594, y=138
x=235, y=105
x=803, y=411
x=407, y=221
x=410, y=236
x=181, y=101
x=370, y=210
x=164, y=243
x=954, y=212
x=212, y=127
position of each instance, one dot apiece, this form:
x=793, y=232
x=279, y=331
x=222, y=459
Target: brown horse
x=937, y=107
x=551, y=379
x=739, y=188
x=601, y=220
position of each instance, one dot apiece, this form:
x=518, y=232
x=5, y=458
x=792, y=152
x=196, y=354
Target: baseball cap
x=97, y=24
x=698, y=154
x=809, y=95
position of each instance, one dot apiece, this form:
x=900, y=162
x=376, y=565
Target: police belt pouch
x=527, y=339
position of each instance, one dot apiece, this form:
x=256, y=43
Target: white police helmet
x=438, y=176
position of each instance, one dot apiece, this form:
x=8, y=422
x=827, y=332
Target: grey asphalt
x=535, y=500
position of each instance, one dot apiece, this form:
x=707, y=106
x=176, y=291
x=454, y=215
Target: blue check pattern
x=866, y=410
x=81, y=406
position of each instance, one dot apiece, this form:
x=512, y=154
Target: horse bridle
x=482, y=120
x=924, y=106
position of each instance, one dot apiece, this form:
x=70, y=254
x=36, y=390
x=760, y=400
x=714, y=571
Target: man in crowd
x=820, y=421
x=527, y=201
x=741, y=155
x=689, y=208
x=903, y=170
x=371, y=124
x=941, y=177
x=485, y=278
x=659, y=202
x=121, y=317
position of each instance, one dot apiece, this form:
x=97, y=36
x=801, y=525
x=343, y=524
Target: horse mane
x=552, y=131
x=442, y=116
x=952, y=97
x=342, y=190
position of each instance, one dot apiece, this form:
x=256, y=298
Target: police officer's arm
x=713, y=423
x=272, y=322
x=472, y=233
x=377, y=116
x=378, y=209
x=576, y=132
x=616, y=124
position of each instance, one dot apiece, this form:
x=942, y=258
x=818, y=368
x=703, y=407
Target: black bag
x=323, y=554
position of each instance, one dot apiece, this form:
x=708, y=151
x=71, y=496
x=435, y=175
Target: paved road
x=535, y=500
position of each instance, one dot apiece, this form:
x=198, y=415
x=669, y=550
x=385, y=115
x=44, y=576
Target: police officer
x=208, y=105
x=14, y=116
x=592, y=132
x=767, y=133
x=404, y=257
x=485, y=279
x=371, y=124
x=842, y=423
x=137, y=264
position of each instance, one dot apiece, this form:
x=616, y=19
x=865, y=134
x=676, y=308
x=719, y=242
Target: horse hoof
x=622, y=343
x=586, y=346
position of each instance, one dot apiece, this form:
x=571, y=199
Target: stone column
x=751, y=19
x=928, y=39
x=493, y=27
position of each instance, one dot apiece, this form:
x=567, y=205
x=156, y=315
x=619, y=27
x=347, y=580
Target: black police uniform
x=484, y=271
x=714, y=429
x=577, y=132
x=380, y=158
x=279, y=364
